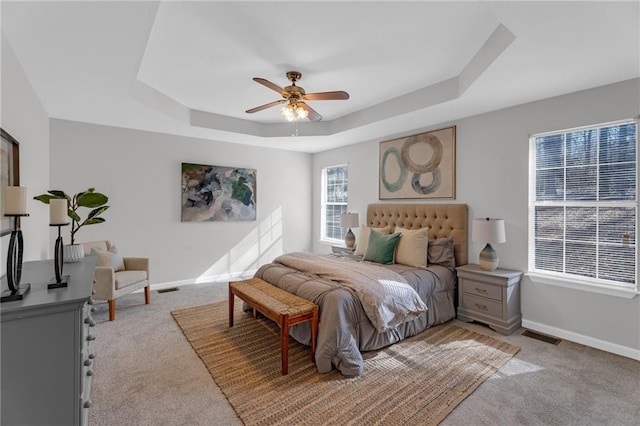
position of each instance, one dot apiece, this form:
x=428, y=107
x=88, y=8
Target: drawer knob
x=91, y=301
x=481, y=290
x=482, y=307
x=91, y=337
x=92, y=356
x=93, y=310
x=87, y=362
x=89, y=372
x=87, y=404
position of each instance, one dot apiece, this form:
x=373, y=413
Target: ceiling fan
x=295, y=98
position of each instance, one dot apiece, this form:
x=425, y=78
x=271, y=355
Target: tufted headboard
x=443, y=220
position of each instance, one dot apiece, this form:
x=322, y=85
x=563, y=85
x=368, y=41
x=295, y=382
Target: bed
x=348, y=326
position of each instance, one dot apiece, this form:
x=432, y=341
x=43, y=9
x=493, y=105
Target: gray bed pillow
x=440, y=252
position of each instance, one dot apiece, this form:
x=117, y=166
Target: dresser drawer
x=482, y=305
x=480, y=289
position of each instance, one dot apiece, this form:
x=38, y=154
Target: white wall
x=492, y=178
x=141, y=173
x=24, y=118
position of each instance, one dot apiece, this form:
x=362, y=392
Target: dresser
x=47, y=355
x=490, y=297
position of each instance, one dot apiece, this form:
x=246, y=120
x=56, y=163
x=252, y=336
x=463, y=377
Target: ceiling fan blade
x=313, y=114
x=270, y=85
x=265, y=106
x=327, y=96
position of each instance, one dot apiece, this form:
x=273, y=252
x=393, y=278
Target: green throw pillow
x=381, y=248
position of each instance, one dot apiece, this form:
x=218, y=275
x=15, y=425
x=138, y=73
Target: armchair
x=116, y=276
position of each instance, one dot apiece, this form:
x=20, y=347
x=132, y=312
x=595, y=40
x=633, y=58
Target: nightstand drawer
x=480, y=289
x=485, y=306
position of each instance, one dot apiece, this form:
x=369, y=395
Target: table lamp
x=349, y=220
x=487, y=230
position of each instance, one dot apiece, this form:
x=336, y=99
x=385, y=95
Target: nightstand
x=490, y=297
x=343, y=249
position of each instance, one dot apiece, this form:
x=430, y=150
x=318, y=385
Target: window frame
x=563, y=279
x=324, y=203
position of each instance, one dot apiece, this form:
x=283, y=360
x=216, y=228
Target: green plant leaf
x=73, y=215
x=91, y=199
x=58, y=193
x=93, y=221
x=45, y=198
x=97, y=212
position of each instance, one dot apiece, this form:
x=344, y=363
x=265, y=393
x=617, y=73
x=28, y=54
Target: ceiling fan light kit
x=293, y=111
x=295, y=97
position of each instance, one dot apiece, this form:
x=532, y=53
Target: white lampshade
x=487, y=230
x=349, y=220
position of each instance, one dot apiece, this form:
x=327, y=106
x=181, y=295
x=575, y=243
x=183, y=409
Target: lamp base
x=349, y=239
x=64, y=282
x=17, y=294
x=488, y=258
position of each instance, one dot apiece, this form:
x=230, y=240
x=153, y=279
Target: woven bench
x=284, y=308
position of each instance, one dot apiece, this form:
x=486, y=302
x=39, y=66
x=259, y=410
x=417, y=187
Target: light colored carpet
x=417, y=381
x=146, y=373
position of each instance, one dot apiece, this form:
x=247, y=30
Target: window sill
x=331, y=242
x=625, y=293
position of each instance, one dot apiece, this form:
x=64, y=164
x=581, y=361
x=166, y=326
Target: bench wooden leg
x=314, y=333
x=231, y=297
x=284, y=335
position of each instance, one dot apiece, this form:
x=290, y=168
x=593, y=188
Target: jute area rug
x=417, y=381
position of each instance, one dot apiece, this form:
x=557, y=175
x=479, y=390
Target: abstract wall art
x=9, y=176
x=218, y=193
x=419, y=166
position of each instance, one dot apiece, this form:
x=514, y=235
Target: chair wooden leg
x=147, y=295
x=112, y=309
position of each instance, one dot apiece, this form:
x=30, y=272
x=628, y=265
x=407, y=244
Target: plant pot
x=73, y=253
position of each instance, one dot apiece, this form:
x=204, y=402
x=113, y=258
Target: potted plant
x=88, y=199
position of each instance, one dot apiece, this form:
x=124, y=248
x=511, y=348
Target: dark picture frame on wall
x=10, y=176
x=218, y=193
x=419, y=166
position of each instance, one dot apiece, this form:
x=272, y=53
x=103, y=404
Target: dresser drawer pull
x=89, y=372
x=90, y=321
x=92, y=356
x=91, y=337
x=91, y=301
x=482, y=307
x=87, y=404
x=87, y=362
x=481, y=290
x=93, y=309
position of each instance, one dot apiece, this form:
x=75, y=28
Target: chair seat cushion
x=127, y=278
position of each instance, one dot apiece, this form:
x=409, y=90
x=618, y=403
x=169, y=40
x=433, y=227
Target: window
x=583, y=204
x=334, y=202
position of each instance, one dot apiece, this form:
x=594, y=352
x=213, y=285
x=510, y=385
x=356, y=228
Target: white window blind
x=334, y=203
x=583, y=203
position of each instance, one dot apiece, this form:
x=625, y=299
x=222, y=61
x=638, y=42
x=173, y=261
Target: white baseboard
x=224, y=278
x=583, y=340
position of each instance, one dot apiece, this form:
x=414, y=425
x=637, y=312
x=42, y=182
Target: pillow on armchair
x=108, y=258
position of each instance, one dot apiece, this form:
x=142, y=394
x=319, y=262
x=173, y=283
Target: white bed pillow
x=364, y=238
x=412, y=247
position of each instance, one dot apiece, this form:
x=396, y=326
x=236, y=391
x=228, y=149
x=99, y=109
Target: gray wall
x=492, y=178
x=24, y=118
x=141, y=173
